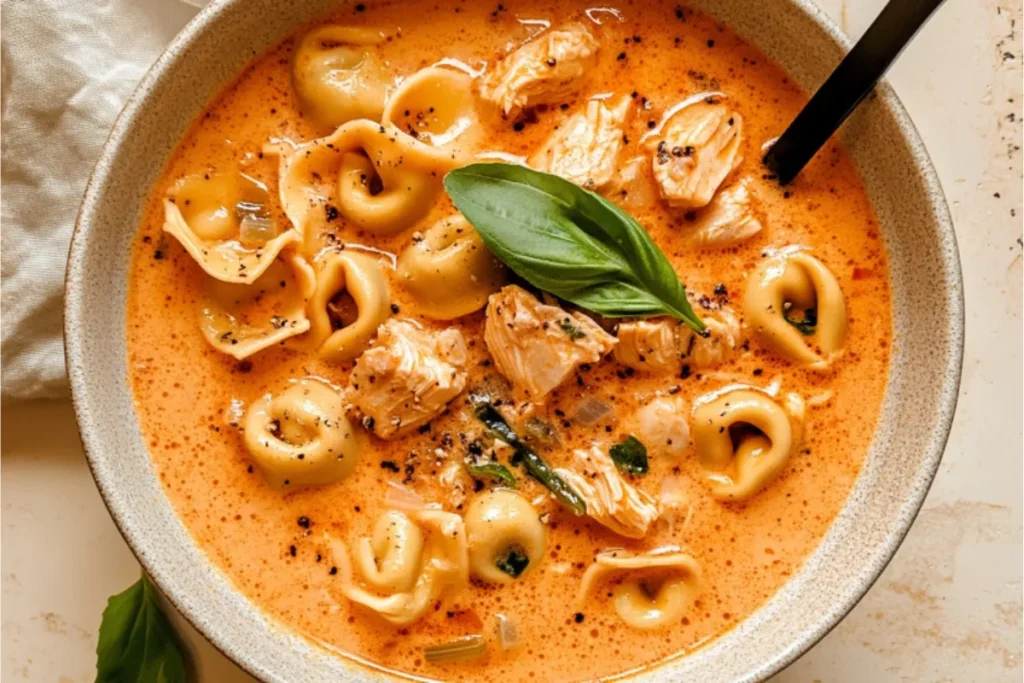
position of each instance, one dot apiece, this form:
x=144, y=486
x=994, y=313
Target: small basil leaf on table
x=629, y=455
x=137, y=642
x=569, y=241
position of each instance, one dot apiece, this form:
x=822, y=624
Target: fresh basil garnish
x=513, y=563
x=534, y=465
x=493, y=471
x=630, y=455
x=136, y=642
x=807, y=325
x=569, y=241
x=572, y=329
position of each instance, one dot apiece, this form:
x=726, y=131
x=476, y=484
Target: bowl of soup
x=471, y=340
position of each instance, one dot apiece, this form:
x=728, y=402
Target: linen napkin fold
x=67, y=67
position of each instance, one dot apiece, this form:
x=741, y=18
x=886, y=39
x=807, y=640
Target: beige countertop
x=948, y=608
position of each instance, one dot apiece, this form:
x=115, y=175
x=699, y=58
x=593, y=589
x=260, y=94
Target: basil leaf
x=513, y=563
x=136, y=641
x=629, y=455
x=494, y=471
x=535, y=465
x=805, y=326
x=568, y=241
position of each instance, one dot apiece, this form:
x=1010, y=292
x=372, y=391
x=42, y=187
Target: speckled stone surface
x=854, y=551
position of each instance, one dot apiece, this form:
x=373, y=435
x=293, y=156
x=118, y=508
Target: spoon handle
x=851, y=81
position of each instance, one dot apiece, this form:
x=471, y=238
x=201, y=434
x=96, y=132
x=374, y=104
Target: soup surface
x=750, y=438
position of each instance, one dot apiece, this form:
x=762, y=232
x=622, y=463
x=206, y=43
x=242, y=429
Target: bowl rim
x=787, y=653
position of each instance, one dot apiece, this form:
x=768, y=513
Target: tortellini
x=389, y=559
x=505, y=536
x=611, y=500
x=410, y=582
x=301, y=436
x=376, y=176
x=242, y=319
x=793, y=299
x=744, y=439
x=338, y=77
x=657, y=588
x=436, y=105
x=339, y=332
x=449, y=272
x=210, y=215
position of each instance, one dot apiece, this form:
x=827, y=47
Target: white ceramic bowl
x=915, y=418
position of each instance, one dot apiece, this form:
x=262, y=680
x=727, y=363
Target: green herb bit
x=469, y=647
x=570, y=242
x=513, y=563
x=494, y=471
x=806, y=326
x=630, y=455
x=572, y=329
x=137, y=642
x=534, y=465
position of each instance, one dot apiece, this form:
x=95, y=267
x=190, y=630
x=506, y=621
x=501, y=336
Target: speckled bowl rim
x=785, y=652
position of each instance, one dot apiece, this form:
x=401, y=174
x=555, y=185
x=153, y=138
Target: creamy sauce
x=270, y=542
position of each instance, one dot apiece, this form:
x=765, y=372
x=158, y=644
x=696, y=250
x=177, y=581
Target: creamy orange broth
x=183, y=388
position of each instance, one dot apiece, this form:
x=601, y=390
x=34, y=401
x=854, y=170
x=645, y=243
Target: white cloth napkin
x=67, y=68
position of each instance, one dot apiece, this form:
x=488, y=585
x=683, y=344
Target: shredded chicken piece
x=611, y=500
x=720, y=339
x=584, y=149
x=407, y=377
x=456, y=482
x=650, y=345
x=537, y=346
x=549, y=68
x=728, y=219
x=695, y=150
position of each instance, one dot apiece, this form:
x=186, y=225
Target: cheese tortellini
x=437, y=106
x=795, y=306
x=337, y=76
x=242, y=319
x=412, y=560
x=301, y=436
x=350, y=302
x=656, y=588
x=374, y=175
x=389, y=559
x=450, y=272
x=505, y=536
x=220, y=219
x=744, y=439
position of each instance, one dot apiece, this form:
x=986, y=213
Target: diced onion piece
x=257, y=229
x=508, y=632
x=671, y=493
x=468, y=647
x=400, y=498
x=590, y=411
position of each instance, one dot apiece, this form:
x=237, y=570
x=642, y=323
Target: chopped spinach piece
x=630, y=455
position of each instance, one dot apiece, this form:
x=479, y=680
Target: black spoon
x=852, y=80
